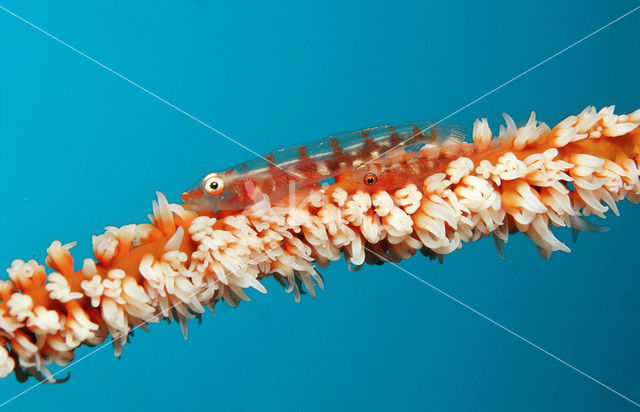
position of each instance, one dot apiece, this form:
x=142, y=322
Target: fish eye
x=213, y=184
x=370, y=179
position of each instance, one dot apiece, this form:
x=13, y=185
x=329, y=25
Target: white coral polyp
x=20, y=306
x=7, y=363
x=59, y=289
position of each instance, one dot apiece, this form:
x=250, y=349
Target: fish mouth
x=191, y=195
x=195, y=206
x=193, y=200
x=185, y=196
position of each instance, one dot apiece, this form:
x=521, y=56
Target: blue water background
x=81, y=149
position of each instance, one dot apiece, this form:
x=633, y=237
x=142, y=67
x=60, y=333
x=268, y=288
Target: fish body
x=307, y=165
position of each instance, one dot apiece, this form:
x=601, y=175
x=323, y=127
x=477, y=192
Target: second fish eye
x=370, y=179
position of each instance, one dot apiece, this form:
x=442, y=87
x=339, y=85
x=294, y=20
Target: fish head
x=219, y=191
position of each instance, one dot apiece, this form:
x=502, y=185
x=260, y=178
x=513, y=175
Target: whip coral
x=432, y=200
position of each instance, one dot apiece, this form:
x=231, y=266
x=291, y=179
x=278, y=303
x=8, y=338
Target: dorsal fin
x=365, y=144
x=432, y=136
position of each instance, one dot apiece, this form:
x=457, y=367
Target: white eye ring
x=213, y=184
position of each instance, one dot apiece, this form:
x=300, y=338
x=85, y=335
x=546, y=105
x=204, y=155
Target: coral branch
x=527, y=179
